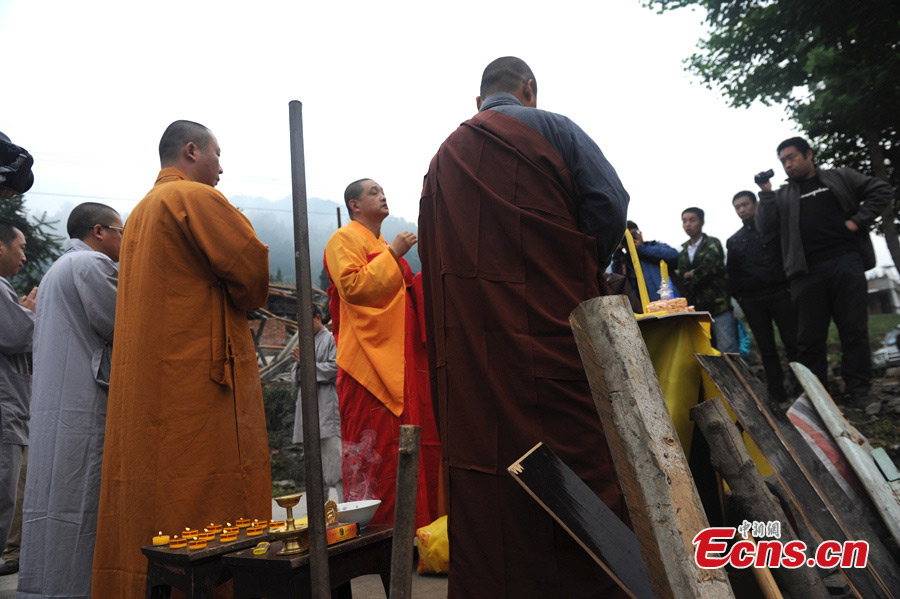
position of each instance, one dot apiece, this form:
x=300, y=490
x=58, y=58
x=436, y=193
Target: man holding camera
x=823, y=217
x=15, y=169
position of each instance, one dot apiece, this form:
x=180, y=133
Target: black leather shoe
x=7, y=568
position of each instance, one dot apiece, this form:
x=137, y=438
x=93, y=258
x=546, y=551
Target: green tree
x=42, y=246
x=835, y=66
x=324, y=282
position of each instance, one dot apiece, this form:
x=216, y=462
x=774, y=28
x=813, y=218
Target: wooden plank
x=805, y=480
x=754, y=502
x=585, y=517
x=405, y=512
x=855, y=447
x=662, y=500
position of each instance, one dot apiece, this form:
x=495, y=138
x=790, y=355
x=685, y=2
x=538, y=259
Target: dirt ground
x=881, y=423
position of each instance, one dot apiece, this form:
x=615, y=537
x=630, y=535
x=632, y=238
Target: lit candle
x=206, y=535
x=161, y=539
x=664, y=270
x=230, y=530
x=276, y=525
x=252, y=531
x=196, y=543
x=228, y=537
x=177, y=543
x=243, y=522
x=214, y=527
x=189, y=532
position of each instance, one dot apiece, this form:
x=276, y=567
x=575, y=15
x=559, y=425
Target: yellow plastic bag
x=434, y=547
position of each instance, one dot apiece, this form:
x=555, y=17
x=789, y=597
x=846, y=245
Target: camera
x=15, y=166
x=763, y=177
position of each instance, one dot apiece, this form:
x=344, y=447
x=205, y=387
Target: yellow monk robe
x=186, y=439
x=373, y=390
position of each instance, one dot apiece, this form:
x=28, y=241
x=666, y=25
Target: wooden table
x=195, y=572
x=287, y=576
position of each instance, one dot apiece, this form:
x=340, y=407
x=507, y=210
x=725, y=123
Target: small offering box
x=336, y=533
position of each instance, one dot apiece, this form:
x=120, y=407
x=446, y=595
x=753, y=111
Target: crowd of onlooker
x=798, y=262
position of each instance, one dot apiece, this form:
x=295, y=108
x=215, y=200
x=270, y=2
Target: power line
x=79, y=195
x=92, y=197
x=285, y=210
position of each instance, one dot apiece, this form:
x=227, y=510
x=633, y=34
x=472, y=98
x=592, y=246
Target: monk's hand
x=295, y=353
x=28, y=301
x=851, y=225
x=402, y=243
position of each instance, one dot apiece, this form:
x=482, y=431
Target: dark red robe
x=503, y=265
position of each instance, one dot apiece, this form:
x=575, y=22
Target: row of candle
x=196, y=539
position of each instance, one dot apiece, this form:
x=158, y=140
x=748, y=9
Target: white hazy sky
x=90, y=86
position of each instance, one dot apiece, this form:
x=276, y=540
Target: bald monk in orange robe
x=186, y=439
x=377, y=380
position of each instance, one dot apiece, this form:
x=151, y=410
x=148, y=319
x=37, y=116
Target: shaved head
x=505, y=74
x=178, y=135
x=353, y=192
x=84, y=216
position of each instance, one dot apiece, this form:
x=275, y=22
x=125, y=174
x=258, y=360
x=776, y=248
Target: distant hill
x=274, y=225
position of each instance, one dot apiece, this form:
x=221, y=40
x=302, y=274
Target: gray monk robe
x=16, y=328
x=76, y=311
x=329, y=410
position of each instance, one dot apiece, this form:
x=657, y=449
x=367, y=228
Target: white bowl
x=360, y=512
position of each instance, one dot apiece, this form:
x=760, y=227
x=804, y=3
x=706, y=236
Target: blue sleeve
x=657, y=250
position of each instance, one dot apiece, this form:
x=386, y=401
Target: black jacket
x=754, y=263
x=861, y=197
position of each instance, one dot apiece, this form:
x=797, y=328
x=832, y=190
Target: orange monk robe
x=376, y=379
x=186, y=439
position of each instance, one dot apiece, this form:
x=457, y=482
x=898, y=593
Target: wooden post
x=662, y=500
x=315, y=494
x=730, y=458
x=811, y=490
x=405, y=512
